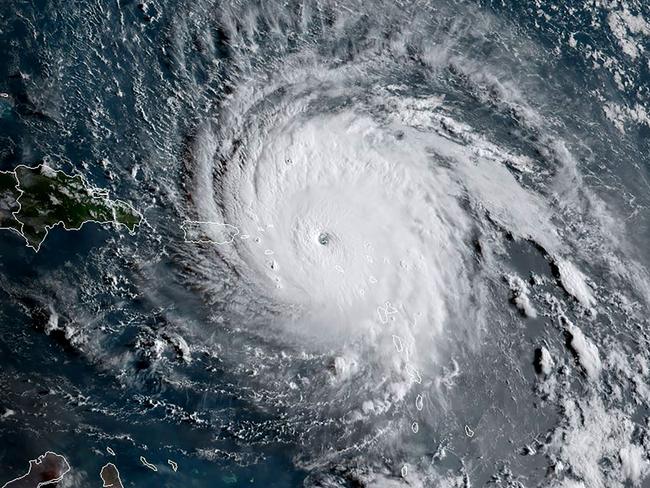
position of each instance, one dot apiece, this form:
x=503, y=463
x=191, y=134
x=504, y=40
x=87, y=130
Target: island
x=146, y=463
x=47, y=469
x=33, y=200
x=110, y=476
x=200, y=232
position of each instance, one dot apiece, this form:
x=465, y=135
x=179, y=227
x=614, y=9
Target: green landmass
x=8, y=200
x=33, y=200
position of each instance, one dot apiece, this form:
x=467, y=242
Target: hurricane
x=384, y=243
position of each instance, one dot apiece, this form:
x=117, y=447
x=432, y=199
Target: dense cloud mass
x=385, y=244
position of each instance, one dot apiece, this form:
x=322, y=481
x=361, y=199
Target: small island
x=110, y=476
x=33, y=200
x=199, y=232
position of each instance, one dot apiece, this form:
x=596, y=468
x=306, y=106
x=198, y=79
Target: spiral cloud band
x=381, y=243
x=351, y=212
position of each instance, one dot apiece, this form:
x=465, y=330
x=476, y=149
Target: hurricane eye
x=324, y=239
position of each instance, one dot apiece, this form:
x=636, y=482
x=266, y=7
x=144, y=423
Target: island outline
x=93, y=192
